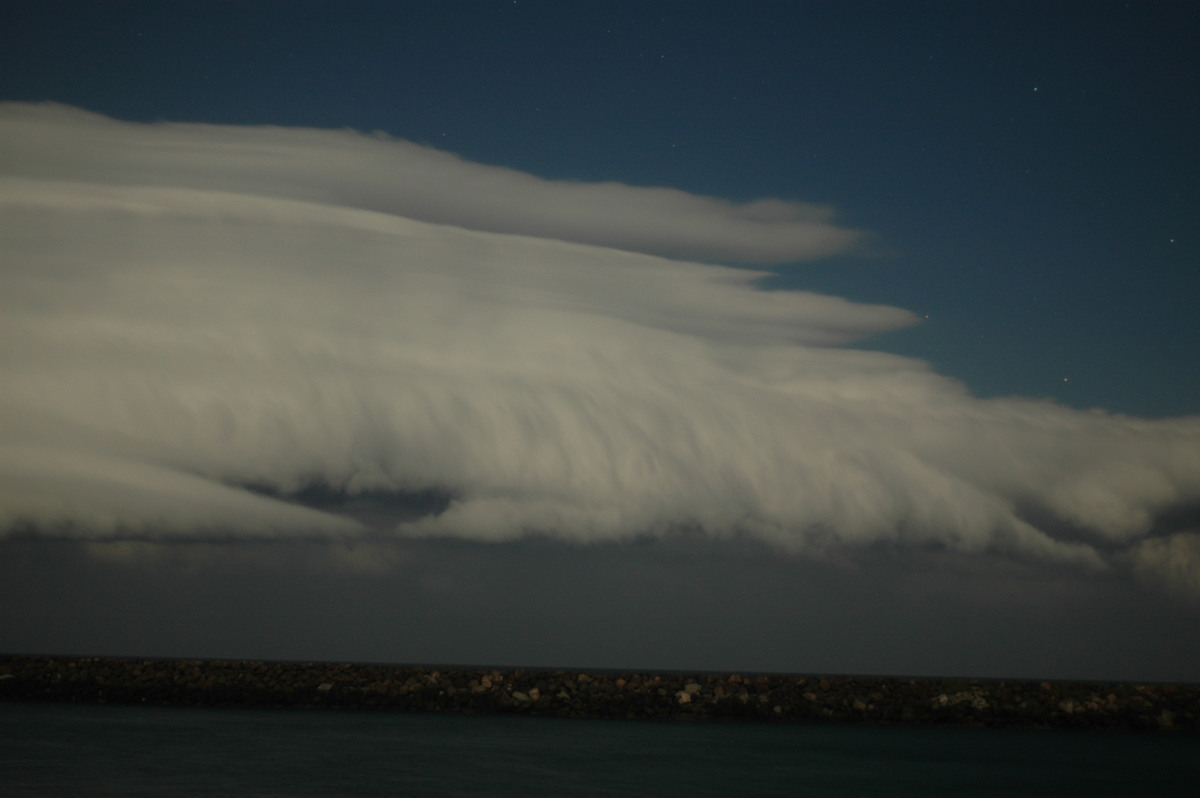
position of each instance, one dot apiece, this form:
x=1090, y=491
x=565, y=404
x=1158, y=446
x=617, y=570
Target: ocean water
x=60, y=749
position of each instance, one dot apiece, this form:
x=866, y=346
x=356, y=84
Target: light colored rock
x=683, y=697
x=964, y=697
x=691, y=688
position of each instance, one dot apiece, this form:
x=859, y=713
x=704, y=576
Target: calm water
x=85, y=750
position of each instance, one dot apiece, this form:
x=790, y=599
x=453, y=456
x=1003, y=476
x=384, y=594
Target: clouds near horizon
x=202, y=322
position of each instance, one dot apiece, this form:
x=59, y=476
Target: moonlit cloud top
x=378, y=173
x=203, y=324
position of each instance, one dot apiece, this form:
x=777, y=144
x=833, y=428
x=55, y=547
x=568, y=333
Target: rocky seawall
x=565, y=693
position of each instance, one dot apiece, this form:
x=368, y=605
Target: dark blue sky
x=1029, y=169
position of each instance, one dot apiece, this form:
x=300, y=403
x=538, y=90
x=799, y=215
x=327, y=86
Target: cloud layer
x=378, y=173
x=203, y=324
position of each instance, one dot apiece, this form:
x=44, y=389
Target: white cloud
x=171, y=338
x=377, y=173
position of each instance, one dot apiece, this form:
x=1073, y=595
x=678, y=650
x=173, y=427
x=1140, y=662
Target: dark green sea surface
x=65, y=749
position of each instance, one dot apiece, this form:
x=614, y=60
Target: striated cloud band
x=205, y=327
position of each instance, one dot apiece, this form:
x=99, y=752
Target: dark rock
x=601, y=695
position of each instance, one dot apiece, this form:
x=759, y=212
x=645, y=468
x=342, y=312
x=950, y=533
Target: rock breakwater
x=565, y=693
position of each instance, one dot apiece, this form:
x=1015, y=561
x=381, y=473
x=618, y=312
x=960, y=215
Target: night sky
x=850, y=337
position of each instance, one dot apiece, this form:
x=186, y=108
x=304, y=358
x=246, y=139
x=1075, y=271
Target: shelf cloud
x=215, y=332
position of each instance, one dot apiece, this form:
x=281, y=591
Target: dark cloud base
x=656, y=605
